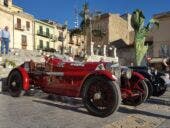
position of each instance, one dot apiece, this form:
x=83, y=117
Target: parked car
x=157, y=81
x=97, y=83
x=134, y=89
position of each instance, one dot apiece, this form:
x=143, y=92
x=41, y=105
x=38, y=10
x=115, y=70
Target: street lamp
x=64, y=27
x=90, y=18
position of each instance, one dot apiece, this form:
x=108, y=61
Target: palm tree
x=141, y=32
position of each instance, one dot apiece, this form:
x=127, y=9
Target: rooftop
x=162, y=15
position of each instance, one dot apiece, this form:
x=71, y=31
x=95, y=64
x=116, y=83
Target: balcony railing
x=45, y=34
x=78, y=44
x=71, y=42
x=19, y=27
x=24, y=43
x=61, y=38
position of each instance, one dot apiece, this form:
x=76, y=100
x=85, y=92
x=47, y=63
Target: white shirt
x=0, y=33
x=5, y=34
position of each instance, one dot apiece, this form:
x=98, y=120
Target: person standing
x=0, y=35
x=5, y=40
x=166, y=63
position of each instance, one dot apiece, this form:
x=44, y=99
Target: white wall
x=28, y=33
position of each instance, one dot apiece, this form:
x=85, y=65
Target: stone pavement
x=39, y=112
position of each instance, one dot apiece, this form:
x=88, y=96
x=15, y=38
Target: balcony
x=24, y=43
x=61, y=38
x=44, y=34
x=78, y=44
x=71, y=42
x=19, y=27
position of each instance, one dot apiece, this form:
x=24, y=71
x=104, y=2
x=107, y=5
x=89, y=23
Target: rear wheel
x=101, y=96
x=14, y=82
x=139, y=93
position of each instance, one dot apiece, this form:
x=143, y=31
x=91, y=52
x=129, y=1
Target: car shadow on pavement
x=136, y=111
x=66, y=106
x=158, y=101
x=4, y=86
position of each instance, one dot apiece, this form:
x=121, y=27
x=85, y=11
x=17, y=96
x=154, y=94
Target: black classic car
x=157, y=81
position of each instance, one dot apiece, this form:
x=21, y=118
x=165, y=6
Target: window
x=6, y=3
x=60, y=34
x=60, y=38
x=41, y=44
x=164, y=50
x=23, y=41
x=47, y=32
x=41, y=29
x=18, y=23
x=48, y=44
x=28, y=25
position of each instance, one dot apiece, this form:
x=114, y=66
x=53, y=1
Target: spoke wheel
x=150, y=88
x=15, y=83
x=101, y=97
x=139, y=94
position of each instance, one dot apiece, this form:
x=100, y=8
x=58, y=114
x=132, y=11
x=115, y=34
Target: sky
x=63, y=10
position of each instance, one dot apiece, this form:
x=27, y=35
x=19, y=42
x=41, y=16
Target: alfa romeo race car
x=97, y=83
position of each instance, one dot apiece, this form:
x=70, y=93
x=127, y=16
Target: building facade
x=109, y=28
x=160, y=35
x=6, y=18
x=21, y=25
x=44, y=35
x=60, y=36
x=23, y=31
x=77, y=45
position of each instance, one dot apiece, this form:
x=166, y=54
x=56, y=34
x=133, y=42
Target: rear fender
x=25, y=78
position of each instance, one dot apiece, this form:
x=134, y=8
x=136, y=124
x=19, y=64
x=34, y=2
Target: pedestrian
x=0, y=35
x=5, y=40
x=166, y=63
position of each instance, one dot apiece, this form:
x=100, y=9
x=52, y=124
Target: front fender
x=25, y=78
x=103, y=73
x=138, y=75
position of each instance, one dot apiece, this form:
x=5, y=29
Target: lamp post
x=63, y=38
x=91, y=36
x=90, y=18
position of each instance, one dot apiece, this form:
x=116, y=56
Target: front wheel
x=101, y=96
x=14, y=83
x=139, y=93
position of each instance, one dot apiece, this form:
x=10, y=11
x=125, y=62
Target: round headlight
x=126, y=72
x=26, y=66
x=114, y=69
x=129, y=73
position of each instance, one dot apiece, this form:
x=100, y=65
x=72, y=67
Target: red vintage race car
x=97, y=83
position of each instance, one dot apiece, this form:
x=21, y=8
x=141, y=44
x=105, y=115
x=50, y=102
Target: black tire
x=150, y=88
x=101, y=96
x=142, y=96
x=14, y=83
